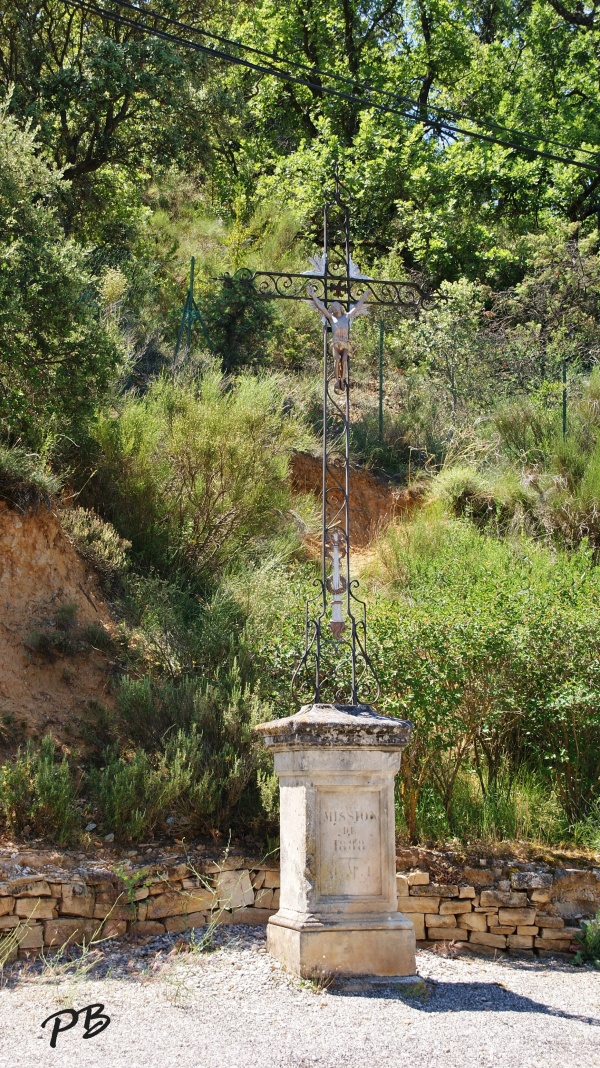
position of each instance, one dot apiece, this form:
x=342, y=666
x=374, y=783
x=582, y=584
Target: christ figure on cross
x=339, y=319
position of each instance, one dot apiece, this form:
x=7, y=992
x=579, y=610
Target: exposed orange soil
x=374, y=500
x=40, y=571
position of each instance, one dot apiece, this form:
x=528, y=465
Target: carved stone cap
x=349, y=726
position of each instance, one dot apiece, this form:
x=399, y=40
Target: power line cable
x=439, y=124
x=314, y=70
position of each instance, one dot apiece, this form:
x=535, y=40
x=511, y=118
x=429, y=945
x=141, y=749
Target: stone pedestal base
x=346, y=948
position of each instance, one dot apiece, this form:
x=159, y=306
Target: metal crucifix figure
x=339, y=321
x=335, y=657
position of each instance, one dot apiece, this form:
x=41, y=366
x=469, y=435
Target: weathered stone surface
x=478, y=877
x=486, y=910
x=540, y=897
x=8, y=922
x=517, y=941
x=140, y=893
x=263, y=899
x=474, y=921
x=183, y=923
x=176, y=903
x=178, y=871
x=275, y=901
x=258, y=879
x=449, y=934
x=418, y=904
x=234, y=889
x=77, y=900
x=402, y=885
x=336, y=766
x=33, y=937
x=481, y=938
x=434, y=920
x=114, y=912
x=63, y=932
x=467, y=891
x=503, y=897
x=114, y=928
x=543, y=919
x=530, y=880
x=527, y=930
x=455, y=907
x=418, y=878
x=36, y=886
x=576, y=892
x=160, y=887
x=324, y=726
x=504, y=929
x=560, y=936
x=7, y=904
x=272, y=880
x=250, y=916
x=434, y=890
x=148, y=927
x=36, y=908
x=516, y=916
x=556, y=944
x=418, y=921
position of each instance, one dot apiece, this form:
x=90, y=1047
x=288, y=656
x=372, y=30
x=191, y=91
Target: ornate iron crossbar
x=335, y=656
x=408, y=297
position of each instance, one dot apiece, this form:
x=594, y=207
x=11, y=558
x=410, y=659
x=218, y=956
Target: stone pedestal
x=338, y=910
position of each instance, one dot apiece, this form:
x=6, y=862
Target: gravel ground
x=234, y=1007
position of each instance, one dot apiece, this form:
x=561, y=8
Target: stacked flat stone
x=535, y=912
x=54, y=914
x=517, y=917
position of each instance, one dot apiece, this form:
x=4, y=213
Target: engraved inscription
x=350, y=843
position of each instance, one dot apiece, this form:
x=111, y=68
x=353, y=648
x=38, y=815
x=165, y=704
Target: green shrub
x=195, y=476
x=190, y=751
x=588, y=942
x=56, y=356
x=130, y=795
x=37, y=794
x=99, y=544
x=25, y=479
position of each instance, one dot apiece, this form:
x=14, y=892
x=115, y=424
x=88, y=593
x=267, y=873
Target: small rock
x=109, y=837
x=91, y=827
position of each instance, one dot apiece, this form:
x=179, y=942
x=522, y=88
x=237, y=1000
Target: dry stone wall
x=510, y=908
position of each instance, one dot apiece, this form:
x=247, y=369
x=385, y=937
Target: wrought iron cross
x=335, y=654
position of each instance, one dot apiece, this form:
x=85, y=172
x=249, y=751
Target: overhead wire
x=439, y=124
x=315, y=70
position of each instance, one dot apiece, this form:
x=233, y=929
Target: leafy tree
x=239, y=323
x=56, y=356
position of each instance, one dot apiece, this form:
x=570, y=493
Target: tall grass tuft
x=38, y=794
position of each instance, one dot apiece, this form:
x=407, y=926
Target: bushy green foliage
x=589, y=942
x=239, y=322
x=97, y=542
x=195, y=475
x=25, y=479
x=56, y=358
x=490, y=652
x=37, y=794
x=189, y=754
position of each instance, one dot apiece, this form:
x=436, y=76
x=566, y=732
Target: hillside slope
x=45, y=690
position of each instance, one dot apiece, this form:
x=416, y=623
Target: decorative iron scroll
x=408, y=297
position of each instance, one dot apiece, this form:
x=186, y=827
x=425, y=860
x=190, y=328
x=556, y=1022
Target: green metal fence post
x=564, y=398
x=381, y=332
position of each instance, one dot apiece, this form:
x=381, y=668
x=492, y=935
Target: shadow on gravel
x=435, y=996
